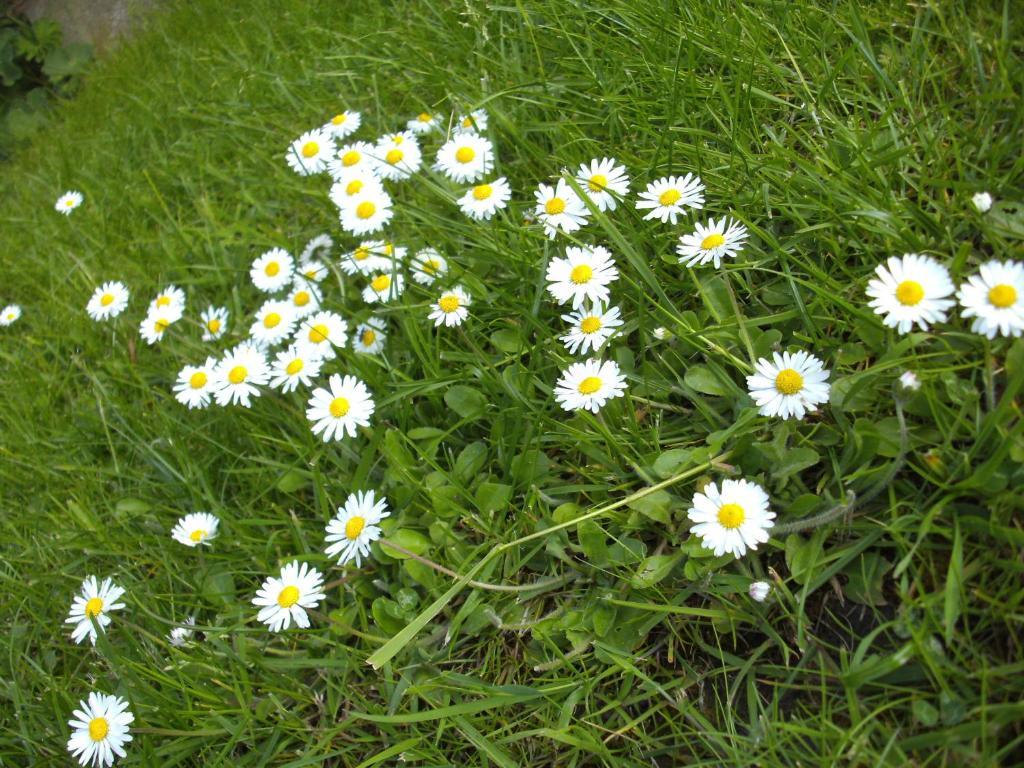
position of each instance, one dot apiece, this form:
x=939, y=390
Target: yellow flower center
x=731, y=515
x=354, y=527
x=1002, y=296
x=909, y=293
x=368, y=337
x=448, y=303
x=271, y=320
x=70, y=204
x=350, y=158
x=669, y=197
x=389, y=248
x=98, y=728
x=288, y=597
x=272, y=269
x=465, y=154
x=467, y=122
x=589, y=385
x=361, y=253
x=482, y=192
x=237, y=374
x=789, y=382
x=294, y=366
x=597, y=182
x=94, y=607
x=338, y=119
x=106, y=300
x=353, y=187
x=197, y=380
x=311, y=273
x=380, y=283
x=712, y=241
x=163, y=301
x=301, y=299
x=430, y=266
x=590, y=324
x=213, y=325
x=310, y=148
x=339, y=407
x=554, y=206
x=397, y=139
x=581, y=274
x=318, y=333
x=197, y=535
x=365, y=209
x=423, y=117
x=160, y=326
x=393, y=156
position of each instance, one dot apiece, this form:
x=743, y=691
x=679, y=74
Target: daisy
x=319, y=247
x=711, y=242
x=732, y=520
x=424, y=122
x=559, y=209
x=195, y=384
x=366, y=212
x=352, y=159
x=238, y=374
x=109, y=300
x=369, y=337
x=995, y=299
x=384, y=287
x=428, y=265
x=195, y=529
x=100, y=729
x=353, y=184
x=320, y=333
x=343, y=124
x=170, y=297
x=758, y=590
x=589, y=385
x=583, y=274
x=310, y=153
x=9, y=314
x=312, y=271
x=398, y=156
x=295, y=365
x=181, y=635
x=370, y=256
x=273, y=270
x=338, y=410
x=67, y=202
x=910, y=291
x=795, y=383
x=475, y=121
x=604, y=182
x=466, y=157
x=484, y=200
x=273, y=324
x=92, y=605
x=355, y=527
x=286, y=599
x=909, y=381
x=591, y=328
x=669, y=196
x=157, y=321
x=982, y=202
x=304, y=299
x=215, y=322
x=451, y=307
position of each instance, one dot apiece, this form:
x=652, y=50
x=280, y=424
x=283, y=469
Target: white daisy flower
x=604, y=182
x=591, y=328
x=370, y=256
x=171, y=297
x=355, y=159
x=370, y=336
x=559, y=209
x=982, y=202
x=100, y=730
x=466, y=157
x=274, y=323
x=239, y=374
x=484, y=200
x=910, y=291
x=93, y=604
x=343, y=124
x=475, y=121
x=310, y=153
x=384, y=287
x=355, y=527
x=358, y=182
x=304, y=299
x=294, y=366
x=317, y=248
x=156, y=322
x=195, y=384
x=319, y=333
x=424, y=122
x=451, y=307
x=215, y=322
x=995, y=299
x=9, y=314
x=713, y=241
x=758, y=590
x=179, y=636
x=789, y=386
x=195, y=529
x=273, y=270
x=366, y=212
x=669, y=197
x=285, y=599
x=428, y=265
x=661, y=333
x=109, y=300
x=909, y=381
x=734, y=519
x=312, y=271
x=67, y=202
x=398, y=156
x=583, y=274
x=345, y=405
x=589, y=385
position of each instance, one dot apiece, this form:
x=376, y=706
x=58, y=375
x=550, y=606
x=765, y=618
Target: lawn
x=545, y=601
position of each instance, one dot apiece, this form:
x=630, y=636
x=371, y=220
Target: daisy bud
x=909, y=381
x=759, y=590
x=982, y=201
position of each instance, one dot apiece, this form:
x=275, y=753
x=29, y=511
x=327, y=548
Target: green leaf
x=384, y=612
x=865, y=577
x=670, y=462
x=492, y=497
x=593, y=542
x=406, y=538
x=469, y=403
x=507, y=340
x=68, y=61
x=704, y=380
x=793, y=461
x=954, y=586
x=132, y=506
x=470, y=461
x=654, y=568
x=655, y=506
x=802, y=555
x=218, y=587
x=292, y=480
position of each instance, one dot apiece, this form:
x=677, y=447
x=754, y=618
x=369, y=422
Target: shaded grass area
x=840, y=135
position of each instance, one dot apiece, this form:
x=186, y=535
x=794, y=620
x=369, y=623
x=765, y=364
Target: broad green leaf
x=469, y=403
x=493, y=497
x=654, y=568
x=704, y=380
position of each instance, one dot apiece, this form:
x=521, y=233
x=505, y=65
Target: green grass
x=840, y=134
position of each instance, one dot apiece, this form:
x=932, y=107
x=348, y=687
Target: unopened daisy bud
x=758, y=590
x=909, y=380
x=982, y=201
x=661, y=333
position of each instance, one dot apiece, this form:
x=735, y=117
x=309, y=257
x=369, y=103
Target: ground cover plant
x=526, y=584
